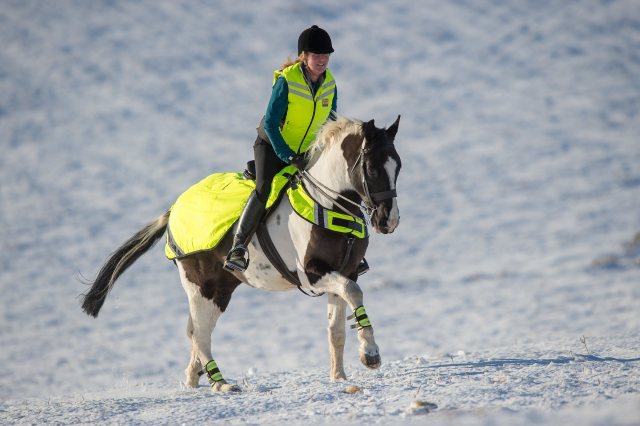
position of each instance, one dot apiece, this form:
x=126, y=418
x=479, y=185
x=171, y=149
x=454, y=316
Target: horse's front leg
x=351, y=293
x=336, y=314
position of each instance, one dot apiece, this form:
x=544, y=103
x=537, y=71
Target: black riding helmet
x=314, y=40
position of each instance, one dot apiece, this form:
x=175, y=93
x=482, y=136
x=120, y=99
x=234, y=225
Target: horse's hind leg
x=203, y=316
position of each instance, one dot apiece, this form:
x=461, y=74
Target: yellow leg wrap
x=213, y=372
x=362, y=319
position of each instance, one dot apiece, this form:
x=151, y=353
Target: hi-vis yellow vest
x=305, y=113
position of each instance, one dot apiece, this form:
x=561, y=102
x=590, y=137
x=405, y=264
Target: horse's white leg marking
x=203, y=316
x=391, y=166
x=194, y=363
x=351, y=293
x=336, y=314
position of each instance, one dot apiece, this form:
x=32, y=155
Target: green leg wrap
x=362, y=319
x=213, y=372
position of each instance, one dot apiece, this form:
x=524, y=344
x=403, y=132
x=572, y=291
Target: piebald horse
x=351, y=165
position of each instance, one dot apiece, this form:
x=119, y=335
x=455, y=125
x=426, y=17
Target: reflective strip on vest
x=328, y=93
x=297, y=85
x=297, y=93
x=305, y=114
x=328, y=84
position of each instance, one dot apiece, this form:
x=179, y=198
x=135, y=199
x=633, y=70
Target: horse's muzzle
x=385, y=219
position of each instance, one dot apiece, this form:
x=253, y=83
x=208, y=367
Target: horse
x=351, y=166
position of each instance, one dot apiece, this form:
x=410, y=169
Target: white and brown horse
x=351, y=163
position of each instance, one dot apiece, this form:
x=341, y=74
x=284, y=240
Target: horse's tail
x=120, y=260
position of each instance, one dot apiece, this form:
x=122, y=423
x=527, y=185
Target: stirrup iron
x=363, y=267
x=238, y=253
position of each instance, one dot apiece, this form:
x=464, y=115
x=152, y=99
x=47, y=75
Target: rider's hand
x=298, y=160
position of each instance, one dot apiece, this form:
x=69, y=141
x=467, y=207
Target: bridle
x=370, y=198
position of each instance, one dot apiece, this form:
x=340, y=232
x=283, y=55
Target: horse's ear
x=393, y=129
x=369, y=130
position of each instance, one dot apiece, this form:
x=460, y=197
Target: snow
x=508, y=295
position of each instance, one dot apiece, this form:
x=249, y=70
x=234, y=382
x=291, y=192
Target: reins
x=368, y=201
x=324, y=190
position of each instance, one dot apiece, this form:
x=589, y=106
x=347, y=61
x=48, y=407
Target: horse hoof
x=225, y=387
x=371, y=361
x=192, y=383
x=339, y=377
x=192, y=377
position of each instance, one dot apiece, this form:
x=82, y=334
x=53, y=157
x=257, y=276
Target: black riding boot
x=237, y=259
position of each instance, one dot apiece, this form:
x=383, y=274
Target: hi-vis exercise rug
x=203, y=214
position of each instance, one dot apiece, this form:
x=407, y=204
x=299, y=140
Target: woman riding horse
x=303, y=98
x=351, y=163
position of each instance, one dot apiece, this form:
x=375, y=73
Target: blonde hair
x=301, y=58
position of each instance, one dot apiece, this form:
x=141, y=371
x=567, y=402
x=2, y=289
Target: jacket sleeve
x=276, y=111
x=334, y=106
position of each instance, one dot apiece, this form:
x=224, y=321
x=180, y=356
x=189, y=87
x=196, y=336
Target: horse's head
x=374, y=174
x=372, y=167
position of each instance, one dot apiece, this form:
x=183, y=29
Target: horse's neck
x=331, y=169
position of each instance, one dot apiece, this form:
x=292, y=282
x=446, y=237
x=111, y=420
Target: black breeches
x=267, y=166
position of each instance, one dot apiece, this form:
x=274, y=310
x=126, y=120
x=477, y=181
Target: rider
x=303, y=97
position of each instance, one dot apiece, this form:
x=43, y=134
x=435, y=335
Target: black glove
x=298, y=160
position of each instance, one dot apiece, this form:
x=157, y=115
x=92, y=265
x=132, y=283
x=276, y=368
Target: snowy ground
x=508, y=295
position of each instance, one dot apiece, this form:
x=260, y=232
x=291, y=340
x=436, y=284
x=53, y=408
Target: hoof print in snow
x=421, y=407
x=351, y=389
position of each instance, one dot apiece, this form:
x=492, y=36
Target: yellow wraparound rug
x=203, y=214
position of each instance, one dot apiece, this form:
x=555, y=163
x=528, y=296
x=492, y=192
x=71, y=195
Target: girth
x=274, y=257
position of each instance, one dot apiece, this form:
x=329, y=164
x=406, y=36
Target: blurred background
x=519, y=193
